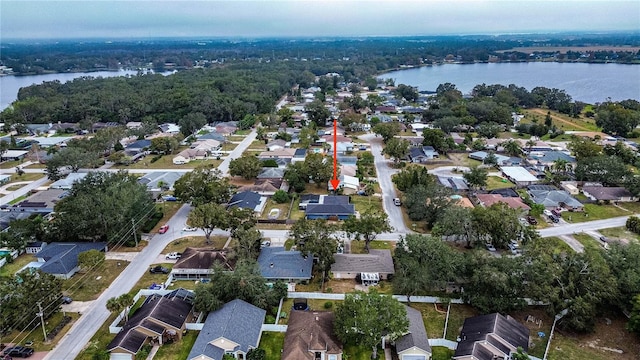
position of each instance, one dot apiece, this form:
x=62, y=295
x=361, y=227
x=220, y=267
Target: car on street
x=67, y=300
x=163, y=229
x=189, y=228
x=173, y=256
x=491, y=248
x=397, y=202
x=159, y=270
x=19, y=351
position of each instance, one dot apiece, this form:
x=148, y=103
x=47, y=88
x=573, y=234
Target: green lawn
x=456, y=318
x=356, y=352
x=364, y=203
x=272, y=343
x=9, y=269
x=179, y=245
x=433, y=319
x=17, y=200
x=235, y=138
x=494, y=182
x=594, y=212
x=25, y=177
x=589, y=243
x=357, y=246
x=554, y=243
x=36, y=333
x=85, y=286
x=296, y=213
x=441, y=353
x=619, y=233
x=148, y=278
x=244, y=132
x=178, y=350
x=228, y=146
x=633, y=207
x=284, y=209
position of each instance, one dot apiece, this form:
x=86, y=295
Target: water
x=590, y=83
x=9, y=85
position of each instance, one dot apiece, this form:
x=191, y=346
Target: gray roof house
x=501, y=159
x=414, y=345
x=348, y=266
x=489, y=337
x=422, y=154
x=551, y=197
x=248, y=200
x=604, y=193
x=310, y=336
x=137, y=147
x=158, y=181
x=212, y=136
x=41, y=201
x=549, y=157
x=233, y=329
x=271, y=173
x=330, y=207
x=276, y=263
x=61, y=259
x=67, y=182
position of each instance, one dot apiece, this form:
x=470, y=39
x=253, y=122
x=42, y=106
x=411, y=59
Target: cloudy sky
x=26, y=19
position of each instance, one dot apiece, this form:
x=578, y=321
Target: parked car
x=556, y=212
x=531, y=220
x=173, y=256
x=19, y=351
x=547, y=212
x=67, y=300
x=189, y=228
x=169, y=198
x=159, y=270
x=163, y=229
x=554, y=218
x=6, y=357
x=265, y=244
x=490, y=247
x=397, y=202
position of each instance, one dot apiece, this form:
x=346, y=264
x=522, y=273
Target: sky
x=113, y=19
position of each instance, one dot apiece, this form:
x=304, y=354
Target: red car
x=163, y=229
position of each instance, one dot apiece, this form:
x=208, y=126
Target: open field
x=85, y=286
x=462, y=159
x=619, y=233
x=562, y=121
x=564, y=49
x=179, y=245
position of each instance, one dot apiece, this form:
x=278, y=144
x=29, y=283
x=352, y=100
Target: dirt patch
x=341, y=286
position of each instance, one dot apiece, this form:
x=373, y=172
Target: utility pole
x=41, y=314
x=133, y=227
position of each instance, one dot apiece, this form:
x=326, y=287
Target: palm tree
x=126, y=300
x=512, y=148
x=114, y=305
x=530, y=144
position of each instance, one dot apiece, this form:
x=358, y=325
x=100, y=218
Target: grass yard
x=462, y=159
x=357, y=352
x=594, y=212
x=141, y=245
x=9, y=269
x=283, y=208
x=181, y=244
x=315, y=189
x=357, y=247
x=26, y=177
x=619, y=233
x=15, y=187
x=17, y=200
x=296, y=213
x=433, y=318
x=416, y=226
x=494, y=182
x=272, y=343
x=589, y=243
x=456, y=318
x=257, y=145
x=228, y=147
x=236, y=138
x=36, y=336
x=364, y=203
x=178, y=350
x=88, y=286
x=148, y=278
x=244, y=132
x=633, y=207
x=554, y=243
x=513, y=135
x=441, y=353
x=562, y=121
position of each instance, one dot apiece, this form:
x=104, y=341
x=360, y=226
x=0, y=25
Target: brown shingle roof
x=203, y=258
x=490, y=199
x=309, y=331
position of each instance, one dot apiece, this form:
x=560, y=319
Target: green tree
x=164, y=145
x=500, y=224
x=512, y=148
x=387, y=130
x=407, y=92
x=280, y=197
x=624, y=263
x=423, y=263
x=247, y=245
x=247, y=166
x=296, y=176
x=363, y=318
x=584, y=148
x=634, y=319
x=396, y=148
x=427, y=202
x=317, y=112
x=211, y=216
x=100, y=206
x=257, y=354
x=440, y=141
x=203, y=185
x=286, y=115
x=488, y=130
x=191, y=123
x=609, y=170
x=367, y=227
x=520, y=355
x=316, y=237
x=319, y=168
x=69, y=158
x=91, y=258
x=457, y=223
x=412, y=176
x=476, y=177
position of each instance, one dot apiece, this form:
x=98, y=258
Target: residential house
x=137, y=147
x=266, y=187
x=414, y=345
x=4, y=179
x=385, y=109
x=604, y=193
x=40, y=202
x=212, y=136
x=284, y=153
x=233, y=329
x=486, y=200
x=248, y=200
x=455, y=183
x=500, y=159
x=271, y=173
x=68, y=181
x=422, y=154
x=310, y=336
x=349, y=184
x=343, y=146
x=491, y=336
x=103, y=125
x=199, y=150
x=169, y=128
x=39, y=129
x=306, y=199
x=277, y=144
x=548, y=158
x=61, y=259
x=519, y=175
x=196, y=263
x=160, y=318
x=299, y=155
x=348, y=266
x=505, y=192
x=159, y=181
x=292, y=266
x=330, y=207
x=134, y=125
x=551, y=197
x=227, y=128
x=34, y=247
x=13, y=155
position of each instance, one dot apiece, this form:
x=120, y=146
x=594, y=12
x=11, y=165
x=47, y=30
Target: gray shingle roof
x=236, y=321
x=271, y=173
x=245, y=200
x=477, y=329
x=277, y=263
x=376, y=261
x=417, y=335
x=549, y=196
x=61, y=258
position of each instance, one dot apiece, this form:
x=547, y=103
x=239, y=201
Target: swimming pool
x=4, y=252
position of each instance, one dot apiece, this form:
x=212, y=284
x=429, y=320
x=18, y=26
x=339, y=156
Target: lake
x=9, y=85
x=590, y=83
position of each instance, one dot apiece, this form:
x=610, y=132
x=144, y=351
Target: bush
x=280, y=197
x=270, y=319
x=257, y=354
x=328, y=305
x=156, y=158
x=269, y=163
x=153, y=221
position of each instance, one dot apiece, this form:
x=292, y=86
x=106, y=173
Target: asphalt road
x=237, y=152
x=569, y=229
x=385, y=172
x=23, y=190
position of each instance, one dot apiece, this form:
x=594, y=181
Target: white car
x=490, y=247
x=189, y=228
x=173, y=256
